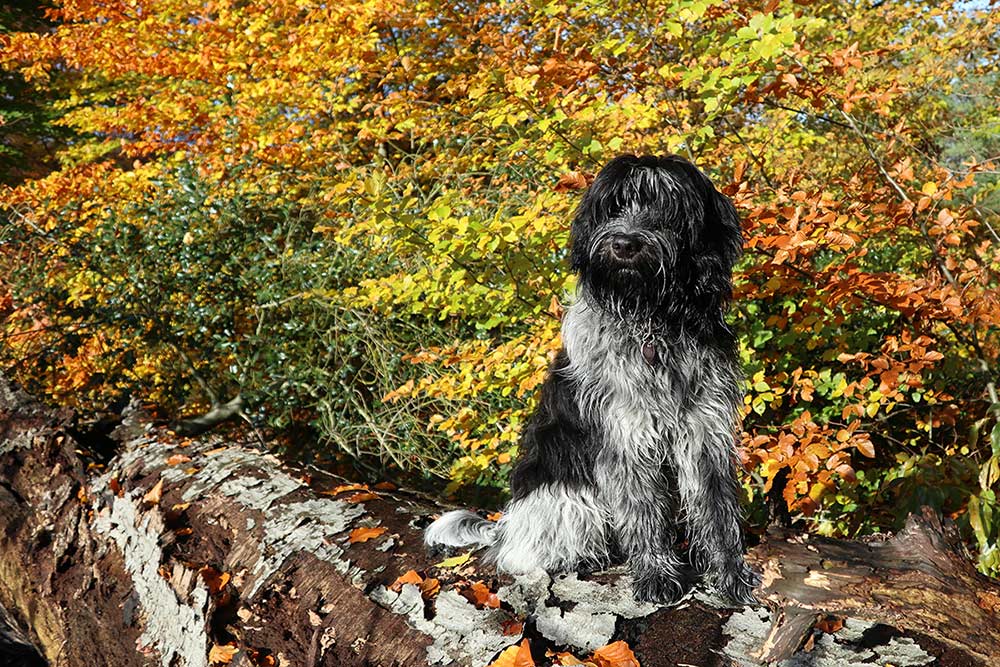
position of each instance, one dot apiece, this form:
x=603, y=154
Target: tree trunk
x=185, y=553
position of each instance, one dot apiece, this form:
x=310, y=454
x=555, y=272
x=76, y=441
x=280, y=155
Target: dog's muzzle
x=624, y=247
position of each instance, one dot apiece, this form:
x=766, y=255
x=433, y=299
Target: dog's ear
x=724, y=233
x=720, y=245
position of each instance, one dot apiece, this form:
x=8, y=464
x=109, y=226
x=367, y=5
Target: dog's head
x=652, y=238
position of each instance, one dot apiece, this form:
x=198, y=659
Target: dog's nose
x=625, y=246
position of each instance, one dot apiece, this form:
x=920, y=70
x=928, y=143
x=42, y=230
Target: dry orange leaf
x=214, y=579
x=616, y=654
x=429, y=588
x=566, y=659
x=222, y=655
x=343, y=488
x=154, y=494
x=177, y=459
x=515, y=656
x=480, y=595
x=495, y=516
x=408, y=577
x=572, y=180
x=385, y=486
x=361, y=497
x=365, y=534
x=511, y=627
x=830, y=624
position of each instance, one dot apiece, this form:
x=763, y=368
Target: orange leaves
x=515, y=656
x=429, y=587
x=215, y=580
x=573, y=180
x=154, y=495
x=408, y=577
x=364, y=534
x=222, y=654
x=616, y=654
x=362, y=493
x=480, y=595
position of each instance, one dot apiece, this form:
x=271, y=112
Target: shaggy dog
x=635, y=430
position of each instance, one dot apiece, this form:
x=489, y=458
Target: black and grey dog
x=637, y=423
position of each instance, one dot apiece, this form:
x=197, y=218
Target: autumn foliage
x=354, y=215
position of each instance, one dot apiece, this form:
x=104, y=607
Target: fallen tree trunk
x=196, y=552
x=920, y=580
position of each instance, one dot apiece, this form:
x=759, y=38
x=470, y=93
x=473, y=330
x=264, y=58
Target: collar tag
x=649, y=353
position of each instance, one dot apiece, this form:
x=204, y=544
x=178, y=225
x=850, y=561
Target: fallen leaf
x=408, y=577
x=495, y=516
x=511, y=627
x=563, y=658
x=214, y=579
x=361, y=497
x=480, y=595
x=429, y=588
x=222, y=655
x=989, y=601
x=344, y=488
x=830, y=624
x=177, y=459
x=365, y=534
x=455, y=561
x=616, y=654
x=385, y=486
x=515, y=656
x=154, y=494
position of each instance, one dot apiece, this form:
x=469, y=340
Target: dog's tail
x=461, y=528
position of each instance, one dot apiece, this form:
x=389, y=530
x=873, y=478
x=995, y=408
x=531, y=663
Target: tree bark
x=183, y=552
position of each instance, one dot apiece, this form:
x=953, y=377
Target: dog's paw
x=658, y=588
x=737, y=584
x=438, y=550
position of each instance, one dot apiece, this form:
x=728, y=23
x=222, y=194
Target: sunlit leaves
x=356, y=215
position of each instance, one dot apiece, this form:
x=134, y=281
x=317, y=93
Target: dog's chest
x=633, y=392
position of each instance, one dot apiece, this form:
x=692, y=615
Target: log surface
x=180, y=552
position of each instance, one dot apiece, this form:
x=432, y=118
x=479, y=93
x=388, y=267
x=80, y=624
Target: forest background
x=353, y=216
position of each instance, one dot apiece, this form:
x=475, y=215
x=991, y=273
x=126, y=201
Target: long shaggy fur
x=635, y=431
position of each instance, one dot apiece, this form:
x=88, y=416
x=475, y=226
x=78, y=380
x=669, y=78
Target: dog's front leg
x=645, y=532
x=709, y=497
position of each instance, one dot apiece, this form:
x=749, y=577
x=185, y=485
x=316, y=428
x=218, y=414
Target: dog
x=634, y=435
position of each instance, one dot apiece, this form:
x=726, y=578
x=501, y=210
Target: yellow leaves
x=455, y=561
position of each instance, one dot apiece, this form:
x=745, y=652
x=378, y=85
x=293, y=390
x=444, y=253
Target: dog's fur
x=637, y=421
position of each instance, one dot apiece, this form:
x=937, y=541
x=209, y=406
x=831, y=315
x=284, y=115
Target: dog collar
x=649, y=353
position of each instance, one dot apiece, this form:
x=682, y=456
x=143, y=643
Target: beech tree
x=347, y=222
